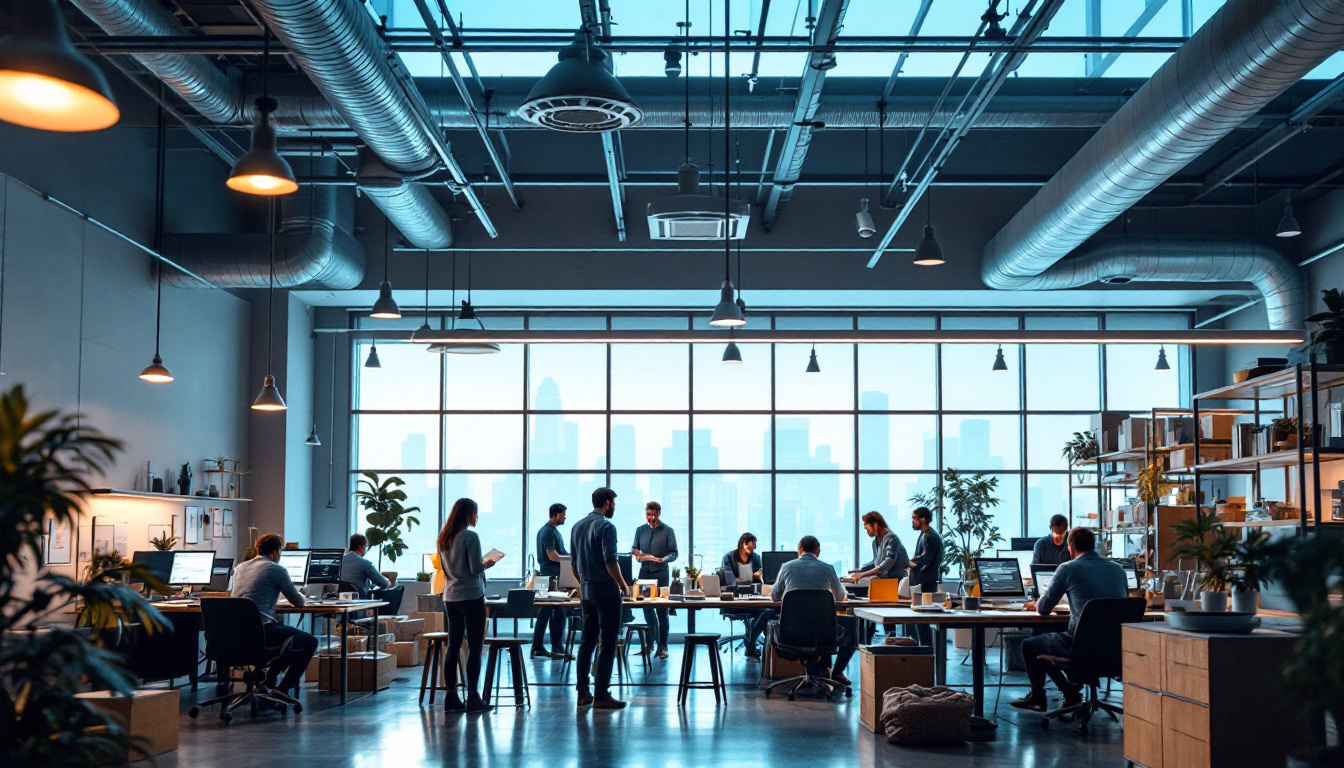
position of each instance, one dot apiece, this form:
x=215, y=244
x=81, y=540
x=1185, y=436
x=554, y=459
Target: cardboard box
x=880, y=672
x=148, y=714
x=406, y=630
x=779, y=668
x=869, y=710
x=368, y=672
x=433, y=620
x=313, y=673
x=1106, y=426
x=387, y=623
x=1184, y=457
x=407, y=653
x=1133, y=434
x=1216, y=426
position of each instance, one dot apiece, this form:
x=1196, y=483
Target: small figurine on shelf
x=184, y=480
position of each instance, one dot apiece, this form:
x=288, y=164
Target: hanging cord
x=709, y=134
x=331, y=430
x=386, y=255
x=426, y=286
x=454, y=295
x=270, y=293
x=865, y=163
x=737, y=160
x=727, y=143
x=159, y=174
x=686, y=120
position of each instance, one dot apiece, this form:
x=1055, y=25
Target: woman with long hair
x=463, y=601
x=743, y=561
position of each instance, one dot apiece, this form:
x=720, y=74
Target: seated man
x=807, y=572
x=1053, y=549
x=357, y=570
x=1086, y=576
x=262, y=580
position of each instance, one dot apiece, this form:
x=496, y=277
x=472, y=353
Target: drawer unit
x=1143, y=704
x=1143, y=742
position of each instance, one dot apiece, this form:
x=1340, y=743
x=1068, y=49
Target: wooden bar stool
x=430, y=679
x=709, y=642
x=494, y=647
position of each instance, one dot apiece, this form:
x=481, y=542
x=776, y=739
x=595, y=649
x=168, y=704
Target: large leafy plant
x=1206, y=541
x=44, y=458
x=1308, y=569
x=1081, y=447
x=1329, y=331
x=386, y=514
x=962, y=503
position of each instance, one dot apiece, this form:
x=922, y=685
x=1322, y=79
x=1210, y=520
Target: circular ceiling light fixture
x=579, y=94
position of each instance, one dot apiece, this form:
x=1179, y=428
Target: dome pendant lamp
x=812, y=366
x=313, y=440
x=262, y=171
x=579, y=94
x=929, y=253
x=372, y=360
x=385, y=308
x=269, y=398
x=999, y=363
x=1288, y=226
x=156, y=372
x=44, y=82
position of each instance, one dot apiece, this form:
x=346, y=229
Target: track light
x=44, y=82
x=999, y=363
x=1288, y=226
x=731, y=354
x=672, y=62
x=313, y=441
x=727, y=314
x=812, y=366
x=864, y=220
x=1162, y=364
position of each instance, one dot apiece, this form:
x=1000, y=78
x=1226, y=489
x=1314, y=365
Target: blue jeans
x=657, y=618
x=1050, y=644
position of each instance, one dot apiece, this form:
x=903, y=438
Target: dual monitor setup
x=203, y=569
x=1001, y=577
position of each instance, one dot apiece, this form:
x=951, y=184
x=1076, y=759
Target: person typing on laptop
x=890, y=560
x=731, y=572
x=356, y=568
x=1085, y=577
x=262, y=580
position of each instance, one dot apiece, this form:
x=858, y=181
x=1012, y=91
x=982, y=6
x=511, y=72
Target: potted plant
x=45, y=459
x=1251, y=559
x=163, y=542
x=692, y=578
x=1205, y=540
x=971, y=531
x=675, y=587
x=1327, y=339
x=1306, y=568
x=1081, y=447
x=1283, y=435
x=386, y=514
x=1151, y=485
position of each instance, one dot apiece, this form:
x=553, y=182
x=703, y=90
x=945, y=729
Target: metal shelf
x=1263, y=523
x=1277, y=385
x=1273, y=460
x=117, y=493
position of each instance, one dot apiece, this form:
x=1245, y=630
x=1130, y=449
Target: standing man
x=550, y=548
x=927, y=563
x=357, y=570
x=808, y=572
x=593, y=542
x=262, y=580
x=1053, y=549
x=655, y=546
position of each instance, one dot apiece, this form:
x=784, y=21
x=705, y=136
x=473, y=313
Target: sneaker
x=585, y=700
x=454, y=704
x=662, y=656
x=541, y=653
x=1031, y=702
x=608, y=702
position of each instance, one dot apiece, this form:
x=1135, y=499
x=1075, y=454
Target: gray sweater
x=263, y=581
x=463, y=569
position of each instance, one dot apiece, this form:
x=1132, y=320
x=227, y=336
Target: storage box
x=1176, y=430
x=1106, y=426
x=880, y=672
x=778, y=668
x=1184, y=457
x=1243, y=440
x=407, y=653
x=433, y=620
x=367, y=672
x=147, y=714
x=387, y=623
x=314, y=672
x=1216, y=426
x=406, y=630
x=1133, y=434
x=1231, y=512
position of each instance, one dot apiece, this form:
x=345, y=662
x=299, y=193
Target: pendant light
x=44, y=82
x=731, y=354
x=424, y=332
x=863, y=220
x=156, y=372
x=269, y=398
x=313, y=440
x=372, y=361
x=458, y=347
x=1162, y=364
x=1288, y=226
x=262, y=171
x=726, y=313
x=999, y=363
x=385, y=308
x=929, y=253
x=812, y=366
x=579, y=94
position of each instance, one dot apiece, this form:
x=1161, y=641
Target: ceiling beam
x=920, y=14
x=1097, y=63
x=798, y=135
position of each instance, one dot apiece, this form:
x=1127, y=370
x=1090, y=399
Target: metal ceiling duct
x=314, y=248
x=411, y=207
x=1247, y=54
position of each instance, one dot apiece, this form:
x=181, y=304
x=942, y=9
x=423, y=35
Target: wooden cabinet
x=1195, y=700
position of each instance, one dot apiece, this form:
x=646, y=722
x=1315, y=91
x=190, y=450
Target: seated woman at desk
x=743, y=566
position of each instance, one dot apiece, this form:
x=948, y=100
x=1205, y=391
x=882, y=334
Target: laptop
x=711, y=586
x=1041, y=575
x=1000, y=580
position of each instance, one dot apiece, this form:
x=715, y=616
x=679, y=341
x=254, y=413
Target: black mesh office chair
x=805, y=632
x=520, y=604
x=235, y=640
x=390, y=595
x=1095, y=655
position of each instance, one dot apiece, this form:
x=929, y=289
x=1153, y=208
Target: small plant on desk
x=163, y=542
x=422, y=576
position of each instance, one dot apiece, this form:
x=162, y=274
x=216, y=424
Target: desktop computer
x=295, y=561
x=324, y=566
x=192, y=569
x=771, y=563
x=157, y=564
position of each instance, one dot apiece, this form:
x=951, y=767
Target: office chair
x=805, y=632
x=234, y=639
x=1095, y=655
x=520, y=604
x=392, y=596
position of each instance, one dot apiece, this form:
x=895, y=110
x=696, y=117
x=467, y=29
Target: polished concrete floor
x=391, y=730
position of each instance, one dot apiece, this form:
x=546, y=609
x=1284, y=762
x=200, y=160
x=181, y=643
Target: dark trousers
x=466, y=621
x=555, y=619
x=757, y=626
x=294, y=662
x=1050, y=644
x=847, y=633
x=657, y=618
x=923, y=633
x=601, y=622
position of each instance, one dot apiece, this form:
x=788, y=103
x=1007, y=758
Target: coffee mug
x=970, y=603
x=348, y=596
x=926, y=598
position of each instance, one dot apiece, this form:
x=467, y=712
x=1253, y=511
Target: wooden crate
x=149, y=714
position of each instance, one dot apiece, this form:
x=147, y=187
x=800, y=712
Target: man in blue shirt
x=357, y=570
x=593, y=542
x=1085, y=577
x=655, y=546
x=1053, y=549
x=550, y=548
x=808, y=572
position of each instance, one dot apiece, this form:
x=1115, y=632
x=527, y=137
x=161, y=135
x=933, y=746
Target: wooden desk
x=312, y=609
x=844, y=607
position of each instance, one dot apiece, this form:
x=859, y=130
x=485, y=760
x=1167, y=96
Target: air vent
x=689, y=215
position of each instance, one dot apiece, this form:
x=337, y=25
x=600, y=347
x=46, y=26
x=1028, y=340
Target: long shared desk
x=328, y=610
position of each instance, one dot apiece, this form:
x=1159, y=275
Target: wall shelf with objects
x=119, y=493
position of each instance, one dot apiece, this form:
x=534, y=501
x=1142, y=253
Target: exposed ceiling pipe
x=417, y=215
x=1247, y=54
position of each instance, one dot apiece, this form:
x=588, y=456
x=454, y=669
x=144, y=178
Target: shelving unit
x=119, y=493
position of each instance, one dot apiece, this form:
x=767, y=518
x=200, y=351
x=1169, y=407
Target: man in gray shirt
x=357, y=570
x=807, y=572
x=262, y=580
x=655, y=546
x=1085, y=577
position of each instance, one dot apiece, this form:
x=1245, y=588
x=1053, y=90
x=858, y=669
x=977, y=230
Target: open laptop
x=1000, y=581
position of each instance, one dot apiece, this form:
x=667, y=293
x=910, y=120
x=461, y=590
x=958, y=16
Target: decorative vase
x=1245, y=601
x=1213, y=601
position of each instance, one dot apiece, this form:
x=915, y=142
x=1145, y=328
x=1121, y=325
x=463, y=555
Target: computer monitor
x=1023, y=557
x=220, y=573
x=324, y=566
x=626, y=564
x=566, y=579
x=999, y=577
x=192, y=569
x=771, y=562
x=1021, y=542
x=295, y=561
x=158, y=564
x=1131, y=571
x=1040, y=579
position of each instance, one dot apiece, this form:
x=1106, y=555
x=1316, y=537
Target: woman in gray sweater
x=463, y=601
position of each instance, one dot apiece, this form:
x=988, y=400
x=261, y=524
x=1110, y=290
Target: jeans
x=466, y=620
x=847, y=635
x=601, y=621
x=555, y=619
x=294, y=662
x=757, y=626
x=657, y=618
x=1050, y=644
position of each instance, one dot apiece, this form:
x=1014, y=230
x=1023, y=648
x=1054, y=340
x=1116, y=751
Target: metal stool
x=434, y=655
x=494, y=646
x=573, y=629
x=709, y=642
x=642, y=630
